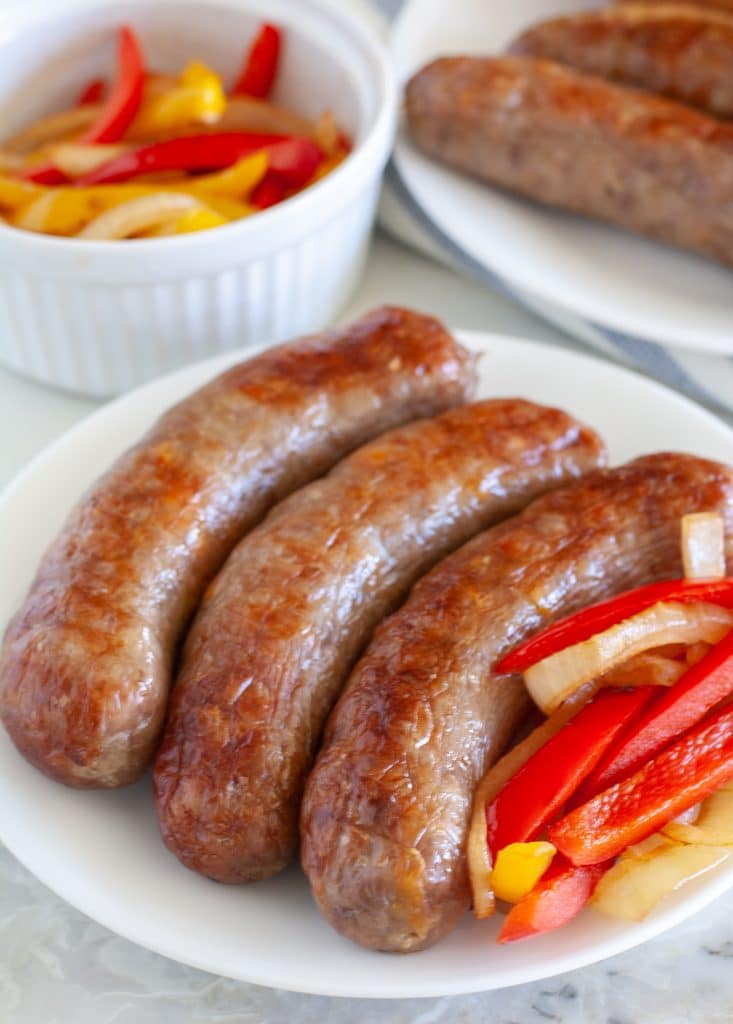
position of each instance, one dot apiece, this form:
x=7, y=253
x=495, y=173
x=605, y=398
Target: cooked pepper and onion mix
x=625, y=791
x=150, y=154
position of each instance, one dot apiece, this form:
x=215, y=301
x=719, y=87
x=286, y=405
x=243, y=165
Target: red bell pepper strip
x=674, y=712
x=45, y=174
x=260, y=67
x=91, y=93
x=269, y=192
x=586, y=623
x=187, y=153
x=542, y=786
x=561, y=893
x=126, y=94
x=628, y=812
x=293, y=162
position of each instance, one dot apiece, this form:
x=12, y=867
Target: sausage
x=292, y=608
x=86, y=662
x=582, y=144
x=386, y=809
x=720, y=5
x=683, y=52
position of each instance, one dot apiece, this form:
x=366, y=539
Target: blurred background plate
x=592, y=276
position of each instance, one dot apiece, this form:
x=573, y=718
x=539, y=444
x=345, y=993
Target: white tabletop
x=58, y=967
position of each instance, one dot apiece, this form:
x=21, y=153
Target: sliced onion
x=694, y=835
x=246, y=114
x=75, y=159
x=552, y=680
x=646, y=670
x=138, y=215
x=479, y=857
x=60, y=211
x=696, y=652
x=10, y=161
x=53, y=128
x=649, y=871
x=327, y=133
x=713, y=825
x=703, y=546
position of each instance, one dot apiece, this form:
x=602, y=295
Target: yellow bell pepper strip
x=257, y=76
x=519, y=868
x=201, y=218
x=197, y=97
x=236, y=181
x=15, y=193
x=58, y=211
x=123, y=102
x=675, y=780
x=230, y=209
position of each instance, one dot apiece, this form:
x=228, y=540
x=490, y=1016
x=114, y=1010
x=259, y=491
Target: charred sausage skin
x=387, y=806
x=292, y=608
x=579, y=143
x=683, y=52
x=86, y=663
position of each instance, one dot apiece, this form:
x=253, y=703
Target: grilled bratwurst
x=282, y=624
x=683, y=52
x=582, y=144
x=386, y=809
x=86, y=663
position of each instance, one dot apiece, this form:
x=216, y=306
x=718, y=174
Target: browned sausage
x=86, y=662
x=386, y=808
x=721, y=5
x=296, y=601
x=580, y=143
x=683, y=52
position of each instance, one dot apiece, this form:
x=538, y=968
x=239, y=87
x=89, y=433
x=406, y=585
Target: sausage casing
x=386, y=809
x=683, y=52
x=86, y=662
x=292, y=608
x=582, y=144
x=720, y=5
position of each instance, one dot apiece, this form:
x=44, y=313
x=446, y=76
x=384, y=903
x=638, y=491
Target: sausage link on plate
x=87, y=660
x=720, y=5
x=580, y=143
x=386, y=809
x=683, y=52
x=295, y=603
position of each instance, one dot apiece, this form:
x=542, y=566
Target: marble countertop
x=58, y=967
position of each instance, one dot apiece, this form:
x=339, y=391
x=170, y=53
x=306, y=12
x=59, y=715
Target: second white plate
x=101, y=851
x=603, y=275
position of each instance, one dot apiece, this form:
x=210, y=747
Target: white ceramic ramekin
x=101, y=317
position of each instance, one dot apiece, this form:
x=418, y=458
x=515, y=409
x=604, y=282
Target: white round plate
x=604, y=275
x=101, y=851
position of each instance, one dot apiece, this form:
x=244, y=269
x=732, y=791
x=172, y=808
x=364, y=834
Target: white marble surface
x=58, y=967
